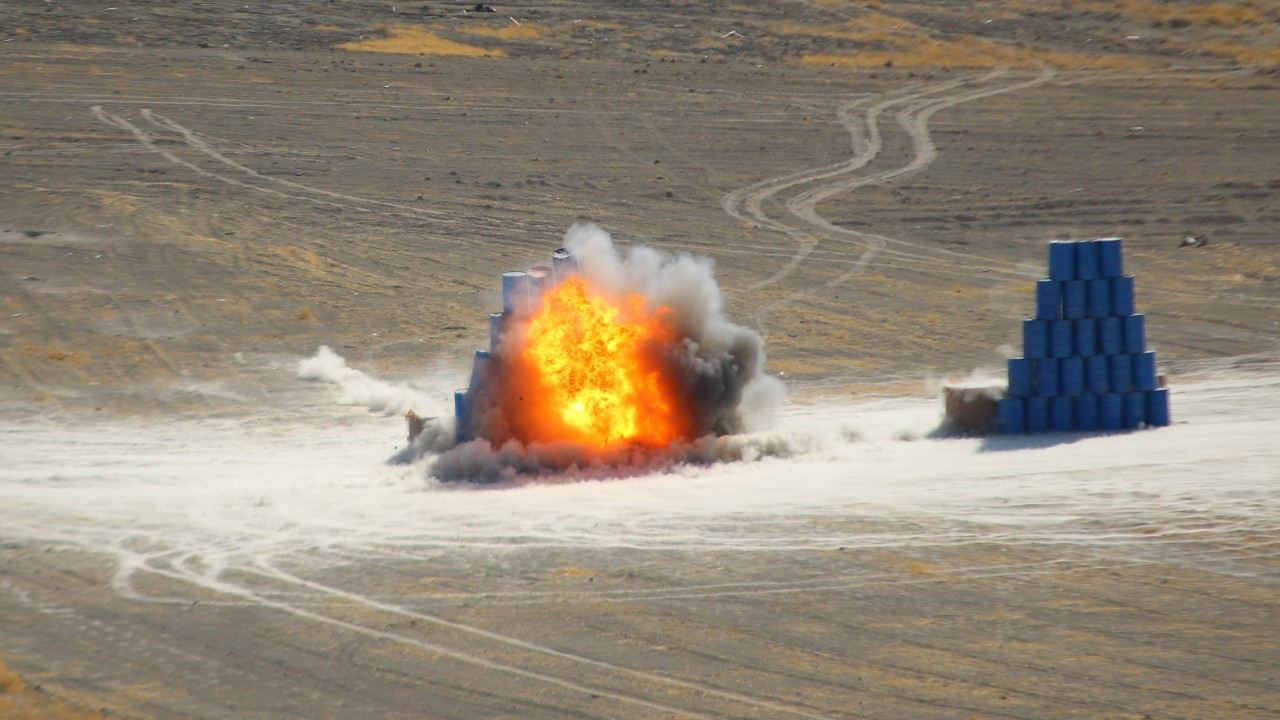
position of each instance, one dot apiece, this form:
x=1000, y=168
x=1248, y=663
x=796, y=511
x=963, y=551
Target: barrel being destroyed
x=603, y=350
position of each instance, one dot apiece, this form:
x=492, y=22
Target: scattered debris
x=1194, y=240
x=416, y=424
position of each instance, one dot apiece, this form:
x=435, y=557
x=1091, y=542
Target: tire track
x=291, y=190
x=209, y=578
x=747, y=204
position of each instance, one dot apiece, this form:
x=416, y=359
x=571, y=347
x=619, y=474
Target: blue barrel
x=1122, y=300
x=1135, y=334
x=1019, y=377
x=1110, y=258
x=515, y=293
x=497, y=328
x=1062, y=260
x=1099, y=298
x=1075, y=302
x=1110, y=411
x=481, y=371
x=1071, y=376
x=1060, y=337
x=1097, y=374
x=1121, y=369
x=1158, y=407
x=1086, y=260
x=1110, y=335
x=462, y=412
x=1035, y=338
x=1011, y=415
x=1048, y=300
x=1046, y=377
x=1144, y=371
x=1086, y=412
x=1037, y=414
x=1086, y=341
x=1060, y=419
x=1135, y=410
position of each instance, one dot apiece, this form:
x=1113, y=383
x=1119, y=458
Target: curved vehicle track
x=809, y=229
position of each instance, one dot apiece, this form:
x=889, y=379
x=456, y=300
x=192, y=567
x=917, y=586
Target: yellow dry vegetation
x=18, y=702
x=508, y=32
x=919, y=568
x=10, y=682
x=844, y=4
x=1073, y=61
x=597, y=24
x=886, y=40
x=918, y=50
x=871, y=27
x=327, y=28
x=1248, y=54
x=75, y=357
x=416, y=40
x=1218, y=13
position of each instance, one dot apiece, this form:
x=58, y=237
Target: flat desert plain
x=197, y=196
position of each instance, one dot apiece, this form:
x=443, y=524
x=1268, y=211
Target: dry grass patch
x=52, y=354
x=510, y=31
x=416, y=40
x=19, y=702
x=1219, y=13
x=1248, y=54
x=917, y=50
x=10, y=683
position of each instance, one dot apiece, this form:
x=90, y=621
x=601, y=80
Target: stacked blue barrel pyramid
x=1085, y=364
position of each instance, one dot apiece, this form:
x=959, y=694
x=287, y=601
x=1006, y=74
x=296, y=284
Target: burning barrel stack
x=1085, y=365
x=521, y=295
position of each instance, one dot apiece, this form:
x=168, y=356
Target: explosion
x=605, y=360
x=597, y=378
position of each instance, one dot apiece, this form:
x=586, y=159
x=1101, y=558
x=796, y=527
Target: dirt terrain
x=198, y=195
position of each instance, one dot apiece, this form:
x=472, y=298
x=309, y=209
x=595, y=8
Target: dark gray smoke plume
x=717, y=359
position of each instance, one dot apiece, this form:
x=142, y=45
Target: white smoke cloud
x=360, y=389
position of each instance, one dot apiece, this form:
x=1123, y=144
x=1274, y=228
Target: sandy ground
x=196, y=198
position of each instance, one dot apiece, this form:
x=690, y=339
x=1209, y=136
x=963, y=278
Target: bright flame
x=596, y=368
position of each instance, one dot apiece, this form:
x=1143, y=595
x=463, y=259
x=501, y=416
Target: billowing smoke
x=718, y=364
x=711, y=369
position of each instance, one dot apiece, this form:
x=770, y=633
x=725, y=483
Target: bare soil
x=197, y=195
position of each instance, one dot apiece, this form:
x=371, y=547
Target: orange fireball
x=592, y=371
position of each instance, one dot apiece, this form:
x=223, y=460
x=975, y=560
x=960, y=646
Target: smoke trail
x=359, y=389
